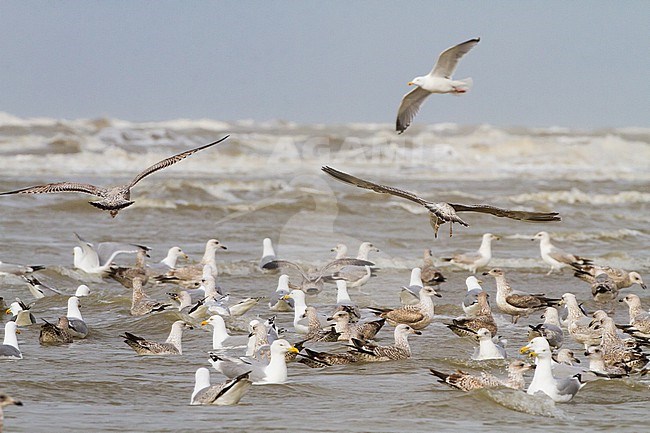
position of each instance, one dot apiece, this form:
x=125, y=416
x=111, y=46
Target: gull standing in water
x=474, y=260
x=114, y=198
x=556, y=257
x=621, y=277
x=437, y=81
x=442, y=212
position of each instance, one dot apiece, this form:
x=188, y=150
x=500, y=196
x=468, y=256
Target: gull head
x=536, y=347
x=494, y=272
x=417, y=81
x=540, y=235
x=405, y=329
x=635, y=277
x=429, y=291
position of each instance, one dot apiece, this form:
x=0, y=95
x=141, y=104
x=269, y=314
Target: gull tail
x=462, y=86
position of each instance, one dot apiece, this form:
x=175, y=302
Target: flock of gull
x=351, y=333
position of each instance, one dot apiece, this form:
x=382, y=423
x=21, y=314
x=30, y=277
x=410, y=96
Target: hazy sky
x=581, y=64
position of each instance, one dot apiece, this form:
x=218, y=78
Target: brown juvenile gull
x=437, y=81
x=466, y=326
x=14, y=269
x=477, y=259
x=443, y=212
x=615, y=350
x=6, y=400
x=190, y=276
x=222, y=394
x=399, y=350
x=603, y=287
x=430, y=274
x=468, y=382
x=578, y=324
x=141, y=303
x=417, y=315
x=55, y=334
x=114, y=198
x=639, y=318
x=125, y=274
x=515, y=302
x=171, y=346
x=621, y=277
x=360, y=331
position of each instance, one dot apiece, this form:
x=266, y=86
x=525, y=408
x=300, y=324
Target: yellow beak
x=285, y=297
x=8, y=311
x=292, y=349
x=525, y=350
x=410, y=83
x=205, y=322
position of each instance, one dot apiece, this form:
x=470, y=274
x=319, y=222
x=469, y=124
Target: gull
x=356, y=276
x=38, y=289
x=550, y=329
x=315, y=332
x=78, y=327
x=220, y=333
x=275, y=371
x=487, y=348
x=97, y=259
x=639, y=319
x=417, y=315
x=343, y=301
x=597, y=365
x=559, y=390
x=299, y=309
x=114, y=198
x=14, y=269
x=188, y=276
x=141, y=303
x=324, y=359
x=470, y=301
x=171, y=346
x=6, y=400
x=276, y=301
x=223, y=394
x=312, y=281
x=478, y=259
x=443, y=212
x=9, y=347
x=431, y=276
x=125, y=275
x=268, y=255
x=411, y=294
x=468, y=325
x=616, y=351
x=467, y=382
x=55, y=334
x=515, y=302
x=20, y=313
x=603, y=287
x=341, y=251
x=556, y=257
x=437, y=81
x=399, y=350
x=621, y=277
x=82, y=290
x=578, y=324
x=360, y=331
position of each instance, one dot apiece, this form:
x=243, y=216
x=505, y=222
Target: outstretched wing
x=171, y=160
x=409, y=107
x=57, y=187
x=285, y=263
x=507, y=213
x=352, y=180
x=448, y=59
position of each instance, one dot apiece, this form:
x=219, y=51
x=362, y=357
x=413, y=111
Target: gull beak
x=410, y=83
x=479, y=281
x=621, y=300
x=286, y=297
x=526, y=349
x=8, y=311
x=205, y=322
x=223, y=247
x=293, y=349
x=644, y=287
x=417, y=332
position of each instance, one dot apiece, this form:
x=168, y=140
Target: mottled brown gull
x=114, y=198
x=171, y=346
x=443, y=212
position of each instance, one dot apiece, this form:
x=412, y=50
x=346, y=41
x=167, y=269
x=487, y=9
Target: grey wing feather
x=348, y=178
x=409, y=107
x=568, y=385
x=170, y=161
x=281, y=263
x=57, y=187
x=339, y=263
x=106, y=249
x=9, y=350
x=467, y=258
x=471, y=297
x=448, y=59
x=507, y=213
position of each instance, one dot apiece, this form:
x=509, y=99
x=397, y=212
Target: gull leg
x=451, y=226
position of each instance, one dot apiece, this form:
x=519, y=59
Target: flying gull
x=437, y=81
x=443, y=212
x=114, y=198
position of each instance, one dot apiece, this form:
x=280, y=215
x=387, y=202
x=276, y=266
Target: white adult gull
x=556, y=257
x=268, y=255
x=487, y=348
x=9, y=347
x=275, y=371
x=20, y=313
x=222, y=394
x=442, y=212
x=78, y=327
x=477, y=259
x=411, y=294
x=220, y=333
x=114, y=198
x=276, y=299
x=470, y=303
x=97, y=258
x=437, y=81
x=559, y=390
x=550, y=329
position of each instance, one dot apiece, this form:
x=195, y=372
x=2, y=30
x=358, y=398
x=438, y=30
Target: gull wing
x=409, y=107
x=507, y=213
x=448, y=59
x=170, y=161
x=352, y=180
x=85, y=188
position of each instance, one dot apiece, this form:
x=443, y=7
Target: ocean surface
x=265, y=181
